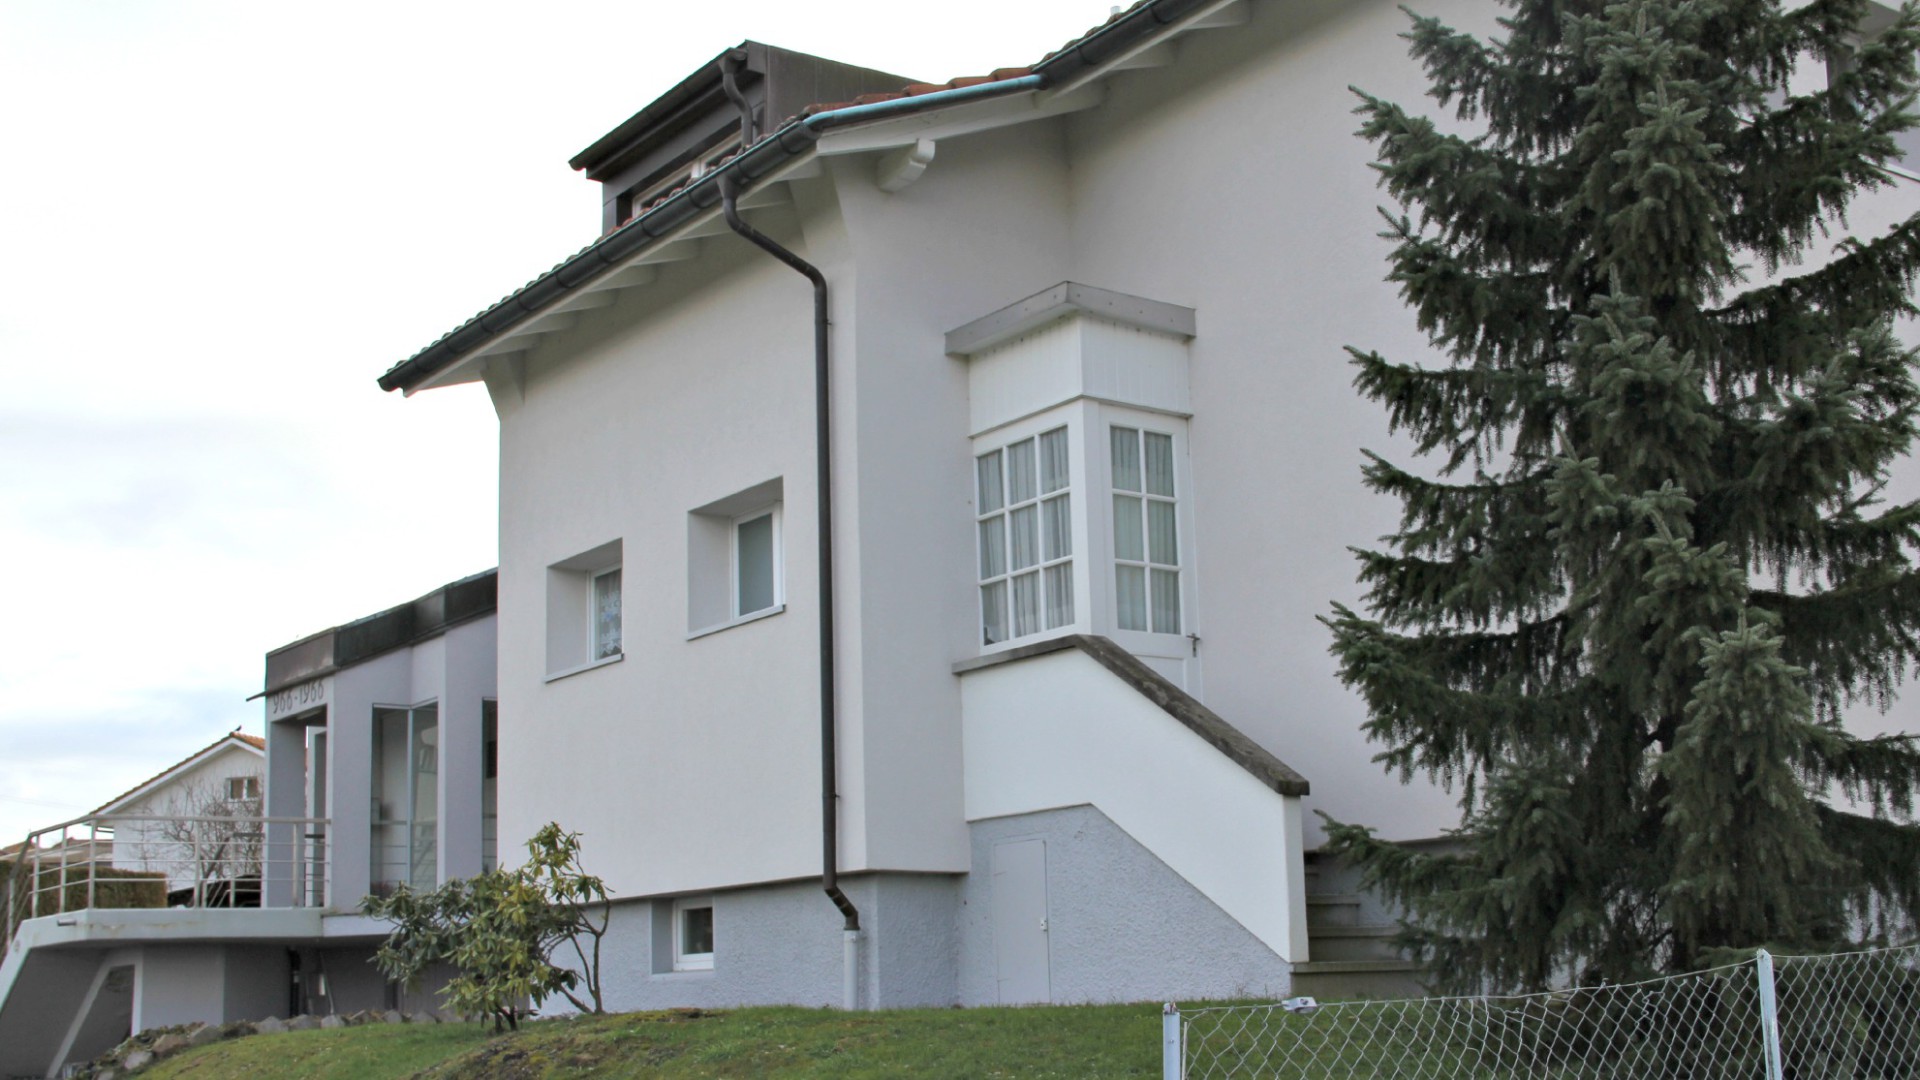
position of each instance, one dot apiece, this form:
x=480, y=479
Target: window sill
x=741, y=621
x=685, y=973
x=1035, y=638
x=588, y=666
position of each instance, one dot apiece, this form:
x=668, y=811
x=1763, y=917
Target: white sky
x=219, y=222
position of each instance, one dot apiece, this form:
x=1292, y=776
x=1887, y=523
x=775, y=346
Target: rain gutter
x=794, y=139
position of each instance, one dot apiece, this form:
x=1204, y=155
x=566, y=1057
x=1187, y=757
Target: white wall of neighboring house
x=189, y=852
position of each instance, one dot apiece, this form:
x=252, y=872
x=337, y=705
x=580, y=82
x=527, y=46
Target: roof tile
x=910, y=90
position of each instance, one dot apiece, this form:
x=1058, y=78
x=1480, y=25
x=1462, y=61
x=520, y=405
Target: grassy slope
x=1088, y=1041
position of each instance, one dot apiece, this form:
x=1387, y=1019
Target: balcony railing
x=158, y=861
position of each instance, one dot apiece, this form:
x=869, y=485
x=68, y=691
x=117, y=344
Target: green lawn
x=1085, y=1041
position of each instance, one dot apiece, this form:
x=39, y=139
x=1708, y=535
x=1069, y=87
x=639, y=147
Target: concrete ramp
x=41, y=993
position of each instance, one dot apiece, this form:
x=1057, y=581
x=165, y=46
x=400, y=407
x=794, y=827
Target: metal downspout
x=823, y=483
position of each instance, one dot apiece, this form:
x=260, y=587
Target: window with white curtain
x=584, y=628
x=1024, y=519
x=1146, y=533
x=605, y=615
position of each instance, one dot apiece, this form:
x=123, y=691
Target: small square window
x=584, y=602
x=735, y=570
x=756, y=572
x=241, y=788
x=693, y=934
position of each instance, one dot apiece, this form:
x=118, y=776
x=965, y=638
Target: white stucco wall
x=690, y=763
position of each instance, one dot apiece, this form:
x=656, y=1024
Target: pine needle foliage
x=1650, y=565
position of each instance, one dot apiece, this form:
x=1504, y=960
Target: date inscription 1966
x=297, y=697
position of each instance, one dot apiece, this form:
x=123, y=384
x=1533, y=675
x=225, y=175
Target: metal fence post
x=1769, y=1014
x=1171, y=1065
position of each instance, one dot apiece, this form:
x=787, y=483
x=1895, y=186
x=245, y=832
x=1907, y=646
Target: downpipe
x=823, y=486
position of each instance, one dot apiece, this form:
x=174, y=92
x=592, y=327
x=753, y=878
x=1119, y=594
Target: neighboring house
x=377, y=763
x=197, y=822
x=1094, y=470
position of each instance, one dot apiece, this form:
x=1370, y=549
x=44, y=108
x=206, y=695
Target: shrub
x=499, y=931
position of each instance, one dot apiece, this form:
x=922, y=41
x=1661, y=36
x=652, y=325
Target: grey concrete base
x=782, y=944
x=1122, y=926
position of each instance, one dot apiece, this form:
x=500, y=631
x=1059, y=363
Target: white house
x=985, y=667
x=992, y=443
x=195, y=821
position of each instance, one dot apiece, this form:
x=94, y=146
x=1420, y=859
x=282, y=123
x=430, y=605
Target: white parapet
x=1065, y=728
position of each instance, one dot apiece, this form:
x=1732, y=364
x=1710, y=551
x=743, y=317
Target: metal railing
x=1853, y=1015
x=154, y=861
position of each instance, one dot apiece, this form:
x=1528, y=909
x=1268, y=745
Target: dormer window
x=678, y=174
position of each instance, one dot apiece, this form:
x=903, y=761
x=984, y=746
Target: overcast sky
x=219, y=222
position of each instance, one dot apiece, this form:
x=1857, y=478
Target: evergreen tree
x=1651, y=566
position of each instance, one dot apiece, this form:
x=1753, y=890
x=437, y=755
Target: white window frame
x=713, y=558
x=594, y=655
x=1071, y=419
x=1145, y=643
x=572, y=627
x=244, y=783
x=683, y=960
x=771, y=510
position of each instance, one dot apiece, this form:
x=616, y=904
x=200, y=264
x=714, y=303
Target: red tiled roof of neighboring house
x=254, y=741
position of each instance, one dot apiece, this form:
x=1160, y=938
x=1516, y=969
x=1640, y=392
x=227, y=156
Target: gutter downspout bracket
x=899, y=169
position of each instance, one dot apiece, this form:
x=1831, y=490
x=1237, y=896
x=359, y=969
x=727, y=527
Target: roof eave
x=1060, y=72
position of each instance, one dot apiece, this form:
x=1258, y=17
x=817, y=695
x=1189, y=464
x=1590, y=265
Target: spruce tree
x=1647, y=564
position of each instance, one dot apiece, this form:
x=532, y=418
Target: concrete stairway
x=41, y=990
x=1349, y=942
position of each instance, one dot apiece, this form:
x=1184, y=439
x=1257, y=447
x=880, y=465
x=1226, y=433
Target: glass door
x=406, y=797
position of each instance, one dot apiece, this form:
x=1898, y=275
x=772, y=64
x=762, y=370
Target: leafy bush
x=499, y=930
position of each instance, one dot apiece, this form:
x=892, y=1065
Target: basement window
x=693, y=934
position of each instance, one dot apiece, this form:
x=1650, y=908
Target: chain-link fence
x=1854, y=1016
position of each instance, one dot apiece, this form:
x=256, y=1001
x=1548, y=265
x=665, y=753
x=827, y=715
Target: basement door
x=1020, y=953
